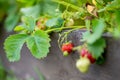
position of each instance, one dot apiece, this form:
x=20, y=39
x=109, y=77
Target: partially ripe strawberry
x=83, y=64
x=84, y=52
x=38, y=23
x=41, y=23
x=67, y=47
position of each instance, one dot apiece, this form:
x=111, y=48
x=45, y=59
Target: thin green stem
x=66, y=34
x=64, y=14
x=63, y=37
x=101, y=10
x=68, y=4
x=77, y=48
x=62, y=28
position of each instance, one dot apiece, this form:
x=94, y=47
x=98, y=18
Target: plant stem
x=101, y=10
x=77, y=48
x=63, y=37
x=62, y=28
x=68, y=4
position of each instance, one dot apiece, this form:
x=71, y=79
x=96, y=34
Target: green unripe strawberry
x=83, y=64
x=69, y=23
x=65, y=53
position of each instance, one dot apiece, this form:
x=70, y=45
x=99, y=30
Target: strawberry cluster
x=84, y=52
x=86, y=59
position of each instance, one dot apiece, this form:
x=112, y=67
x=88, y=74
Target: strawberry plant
x=41, y=17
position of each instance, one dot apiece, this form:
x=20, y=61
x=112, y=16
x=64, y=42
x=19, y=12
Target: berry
x=85, y=52
x=70, y=22
x=92, y=60
x=65, y=53
x=83, y=64
x=38, y=23
x=41, y=23
x=67, y=47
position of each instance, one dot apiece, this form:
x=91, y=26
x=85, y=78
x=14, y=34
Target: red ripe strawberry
x=67, y=47
x=92, y=60
x=85, y=52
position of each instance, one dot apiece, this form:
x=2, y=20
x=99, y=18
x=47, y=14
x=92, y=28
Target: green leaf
x=11, y=21
x=117, y=17
x=98, y=27
x=116, y=23
x=26, y=2
x=86, y=35
x=100, y=60
x=13, y=45
x=44, y=7
x=12, y=14
x=100, y=2
x=97, y=48
x=39, y=44
x=54, y=22
x=113, y=5
x=30, y=23
x=106, y=1
x=116, y=33
x=19, y=28
x=33, y=11
x=48, y=7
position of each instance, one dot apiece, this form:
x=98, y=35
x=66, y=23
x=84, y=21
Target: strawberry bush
x=38, y=18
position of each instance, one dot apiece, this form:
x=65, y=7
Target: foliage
x=37, y=41
x=13, y=45
x=97, y=48
x=54, y=22
x=39, y=44
x=41, y=17
x=14, y=9
x=98, y=27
